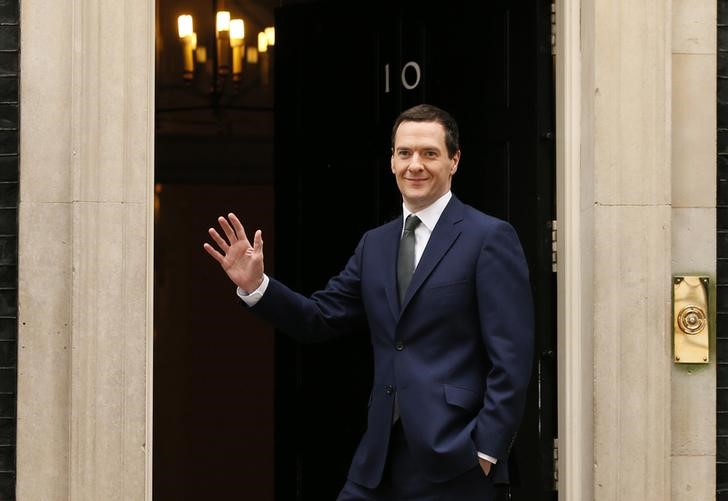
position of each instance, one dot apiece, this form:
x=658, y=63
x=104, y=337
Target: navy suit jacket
x=458, y=351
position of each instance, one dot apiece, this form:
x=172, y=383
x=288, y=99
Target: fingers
x=234, y=232
x=215, y=254
x=229, y=232
x=218, y=240
x=258, y=242
x=237, y=226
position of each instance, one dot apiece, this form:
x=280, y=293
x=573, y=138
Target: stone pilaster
x=626, y=195
x=86, y=250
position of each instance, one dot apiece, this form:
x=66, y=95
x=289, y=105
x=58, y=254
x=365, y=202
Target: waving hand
x=242, y=262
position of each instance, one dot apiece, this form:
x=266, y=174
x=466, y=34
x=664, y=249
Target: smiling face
x=421, y=164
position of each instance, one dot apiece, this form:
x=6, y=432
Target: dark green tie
x=406, y=259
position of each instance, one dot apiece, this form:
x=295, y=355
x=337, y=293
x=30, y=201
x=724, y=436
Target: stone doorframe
x=86, y=257
x=574, y=350
x=85, y=250
x=636, y=187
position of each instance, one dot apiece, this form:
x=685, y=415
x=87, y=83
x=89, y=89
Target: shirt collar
x=431, y=214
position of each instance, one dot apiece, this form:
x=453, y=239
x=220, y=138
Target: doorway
x=213, y=365
x=237, y=404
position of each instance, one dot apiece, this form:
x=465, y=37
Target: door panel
x=341, y=80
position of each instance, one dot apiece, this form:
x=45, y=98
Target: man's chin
x=415, y=203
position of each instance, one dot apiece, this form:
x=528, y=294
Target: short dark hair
x=430, y=113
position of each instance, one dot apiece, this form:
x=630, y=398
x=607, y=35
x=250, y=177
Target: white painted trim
x=151, y=33
x=574, y=474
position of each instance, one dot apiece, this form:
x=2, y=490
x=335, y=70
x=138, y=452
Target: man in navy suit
x=445, y=293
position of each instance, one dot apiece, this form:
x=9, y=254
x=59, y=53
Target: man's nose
x=416, y=163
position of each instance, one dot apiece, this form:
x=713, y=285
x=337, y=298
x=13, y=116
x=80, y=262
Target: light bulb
x=270, y=34
x=222, y=21
x=237, y=32
x=184, y=25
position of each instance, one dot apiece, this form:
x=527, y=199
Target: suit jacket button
x=389, y=389
x=399, y=346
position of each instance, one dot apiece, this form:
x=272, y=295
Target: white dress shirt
x=429, y=217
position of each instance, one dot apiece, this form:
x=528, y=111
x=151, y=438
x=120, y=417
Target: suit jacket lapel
x=443, y=236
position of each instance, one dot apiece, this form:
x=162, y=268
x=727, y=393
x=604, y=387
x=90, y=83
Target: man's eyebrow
x=421, y=148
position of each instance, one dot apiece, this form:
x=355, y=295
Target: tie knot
x=411, y=223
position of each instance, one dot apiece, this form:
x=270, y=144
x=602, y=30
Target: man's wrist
x=253, y=297
x=250, y=290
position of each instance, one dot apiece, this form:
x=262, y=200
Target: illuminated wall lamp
x=189, y=44
x=222, y=34
x=237, y=42
x=264, y=40
x=229, y=34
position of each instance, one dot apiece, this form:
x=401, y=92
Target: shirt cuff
x=488, y=458
x=252, y=298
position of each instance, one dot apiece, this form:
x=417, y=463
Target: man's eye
x=430, y=154
x=403, y=153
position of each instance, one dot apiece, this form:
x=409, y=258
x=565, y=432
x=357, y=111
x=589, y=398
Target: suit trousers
x=403, y=482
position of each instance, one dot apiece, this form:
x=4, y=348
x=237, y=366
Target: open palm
x=242, y=262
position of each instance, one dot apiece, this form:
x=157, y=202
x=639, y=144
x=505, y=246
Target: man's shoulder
x=394, y=224
x=482, y=227
x=380, y=236
x=480, y=219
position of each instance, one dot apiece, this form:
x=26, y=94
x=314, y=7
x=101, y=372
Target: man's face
x=420, y=163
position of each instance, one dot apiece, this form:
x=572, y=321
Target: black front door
x=342, y=76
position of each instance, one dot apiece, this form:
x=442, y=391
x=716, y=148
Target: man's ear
x=391, y=164
x=455, y=162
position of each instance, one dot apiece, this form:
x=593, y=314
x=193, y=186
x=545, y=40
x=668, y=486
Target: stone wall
x=693, y=422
